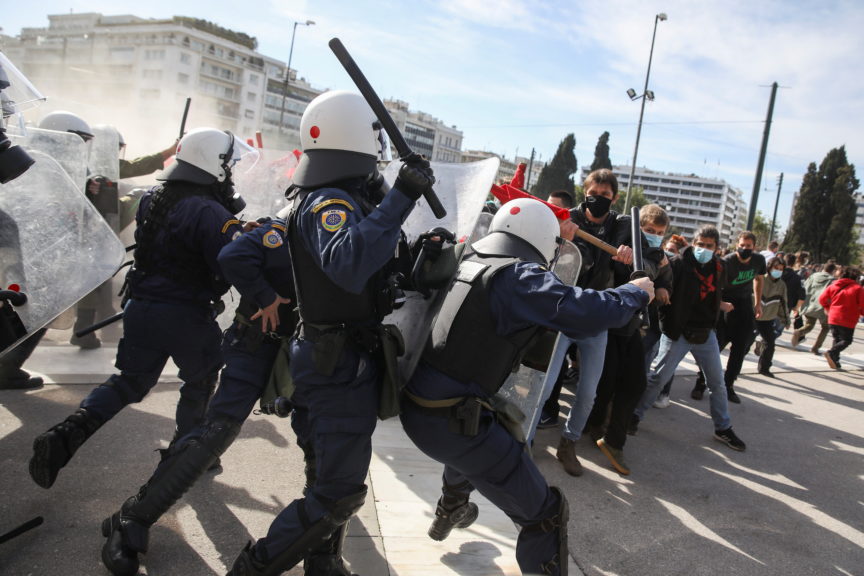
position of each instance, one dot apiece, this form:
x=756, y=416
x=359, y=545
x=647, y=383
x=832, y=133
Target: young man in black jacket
x=688, y=326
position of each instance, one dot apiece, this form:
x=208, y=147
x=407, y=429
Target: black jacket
x=686, y=293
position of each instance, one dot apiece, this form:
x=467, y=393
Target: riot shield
x=68, y=149
x=64, y=248
x=104, y=157
x=263, y=185
x=462, y=189
x=529, y=387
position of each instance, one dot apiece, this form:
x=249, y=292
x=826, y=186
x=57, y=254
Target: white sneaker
x=662, y=401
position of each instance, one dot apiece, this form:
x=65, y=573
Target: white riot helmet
x=62, y=121
x=206, y=156
x=341, y=138
x=530, y=220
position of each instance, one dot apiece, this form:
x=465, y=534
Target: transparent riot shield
x=68, y=149
x=104, y=157
x=528, y=388
x=462, y=189
x=63, y=249
x=263, y=185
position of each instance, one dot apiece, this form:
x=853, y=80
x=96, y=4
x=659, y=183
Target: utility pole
x=754, y=199
x=776, y=202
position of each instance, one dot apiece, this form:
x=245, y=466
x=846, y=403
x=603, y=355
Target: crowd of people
x=309, y=338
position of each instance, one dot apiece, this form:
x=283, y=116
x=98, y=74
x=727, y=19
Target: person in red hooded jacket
x=843, y=300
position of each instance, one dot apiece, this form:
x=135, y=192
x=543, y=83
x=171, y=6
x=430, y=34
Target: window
x=122, y=53
x=154, y=54
x=250, y=114
x=253, y=79
x=185, y=58
x=251, y=97
x=152, y=74
x=182, y=78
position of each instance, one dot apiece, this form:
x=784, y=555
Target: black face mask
x=598, y=205
x=745, y=253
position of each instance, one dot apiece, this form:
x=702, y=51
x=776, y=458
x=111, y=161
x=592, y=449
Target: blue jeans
x=707, y=356
x=592, y=353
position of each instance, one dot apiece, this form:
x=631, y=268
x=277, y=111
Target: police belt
x=247, y=323
x=365, y=338
x=442, y=407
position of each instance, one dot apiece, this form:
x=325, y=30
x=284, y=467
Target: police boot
x=86, y=318
x=327, y=560
x=453, y=511
x=127, y=531
x=246, y=564
x=556, y=527
x=53, y=449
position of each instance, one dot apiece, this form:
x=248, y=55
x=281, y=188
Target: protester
x=774, y=308
x=812, y=311
x=843, y=301
x=795, y=294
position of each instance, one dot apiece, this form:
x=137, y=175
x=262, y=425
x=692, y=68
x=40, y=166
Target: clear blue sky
x=516, y=75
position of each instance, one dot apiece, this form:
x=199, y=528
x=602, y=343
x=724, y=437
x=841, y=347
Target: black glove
x=415, y=177
x=431, y=247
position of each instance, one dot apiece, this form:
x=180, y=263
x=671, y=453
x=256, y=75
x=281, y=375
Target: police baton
x=638, y=263
x=29, y=525
x=185, y=115
x=101, y=324
x=383, y=116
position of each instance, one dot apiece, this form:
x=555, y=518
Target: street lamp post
x=646, y=95
x=288, y=69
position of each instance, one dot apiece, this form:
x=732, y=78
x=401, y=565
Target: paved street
x=791, y=504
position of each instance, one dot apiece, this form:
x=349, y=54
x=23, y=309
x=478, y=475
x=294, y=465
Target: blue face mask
x=776, y=274
x=654, y=240
x=702, y=255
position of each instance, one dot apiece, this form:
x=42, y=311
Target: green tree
x=601, y=153
x=637, y=198
x=823, y=220
x=761, y=228
x=558, y=174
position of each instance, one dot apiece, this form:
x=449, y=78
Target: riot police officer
x=343, y=236
x=504, y=295
x=174, y=288
x=258, y=264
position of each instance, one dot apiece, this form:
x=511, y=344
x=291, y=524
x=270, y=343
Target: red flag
x=507, y=192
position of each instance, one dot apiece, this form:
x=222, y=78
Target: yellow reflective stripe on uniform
x=330, y=202
x=228, y=224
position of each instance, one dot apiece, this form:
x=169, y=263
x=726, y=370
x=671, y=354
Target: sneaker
x=831, y=362
x=732, y=396
x=757, y=349
x=566, y=454
x=21, y=380
x=547, y=421
x=698, y=391
x=815, y=351
x=615, y=456
x=633, y=425
x=729, y=438
x=795, y=339
x=767, y=372
x=662, y=401
x=88, y=342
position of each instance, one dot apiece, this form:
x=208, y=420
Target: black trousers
x=621, y=386
x=766, y=330
x=739, y=330
x=842, y=339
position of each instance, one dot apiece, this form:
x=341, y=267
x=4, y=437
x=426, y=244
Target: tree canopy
x=558, y=173
x=601, y=153
x=823, y=218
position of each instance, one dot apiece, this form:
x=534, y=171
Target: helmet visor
x=243, y=157
x=20, y=94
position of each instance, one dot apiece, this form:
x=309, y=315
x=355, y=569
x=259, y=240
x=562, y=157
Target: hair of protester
x=829, y=268
x=791, y=259
x=653, y=214
x=601, y=176
x=707, y=231
x=773, y=245
x=851, y=272
x=747, y=235
x=566, y=197
x=774, y=261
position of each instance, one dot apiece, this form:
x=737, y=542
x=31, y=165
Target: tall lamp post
x=288, y=69
x=646, y=95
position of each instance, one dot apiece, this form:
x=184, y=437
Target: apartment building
x=425, y=134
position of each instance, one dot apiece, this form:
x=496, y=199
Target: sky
x=516, y=76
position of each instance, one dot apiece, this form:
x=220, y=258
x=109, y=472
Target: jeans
x=707, y=356
x=592, y=352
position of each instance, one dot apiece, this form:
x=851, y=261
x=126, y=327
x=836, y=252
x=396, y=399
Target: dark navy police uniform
x=505, y=307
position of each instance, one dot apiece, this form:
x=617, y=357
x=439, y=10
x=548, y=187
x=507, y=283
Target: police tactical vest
x=464, y=343
x=159, y=252
x=319, y=299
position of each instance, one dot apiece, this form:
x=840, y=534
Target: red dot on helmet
x=314, y=131
x=515, y=210
x=15, y=288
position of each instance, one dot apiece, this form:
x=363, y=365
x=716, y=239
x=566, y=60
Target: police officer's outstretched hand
x=415, y=177
x=270, y=314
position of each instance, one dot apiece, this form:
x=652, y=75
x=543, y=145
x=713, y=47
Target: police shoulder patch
x=272, y=239
x=333, y=220
x=228, y=225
